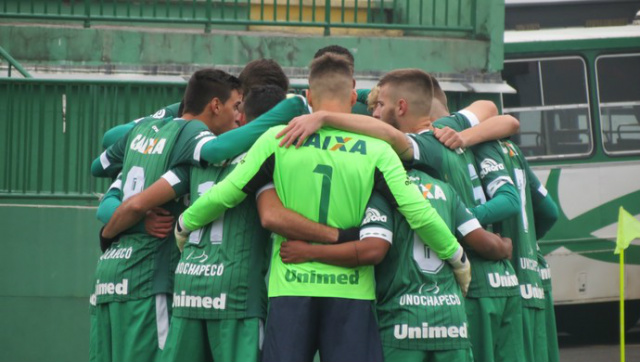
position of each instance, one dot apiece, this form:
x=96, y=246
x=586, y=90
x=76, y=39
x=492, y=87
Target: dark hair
x=263, y=72
x=205, y=85
x=335, y=49
x=261, y=99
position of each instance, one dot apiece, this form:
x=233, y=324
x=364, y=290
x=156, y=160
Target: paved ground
x=582, y=350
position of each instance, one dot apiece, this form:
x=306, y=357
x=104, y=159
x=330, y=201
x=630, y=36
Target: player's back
x=329, y=179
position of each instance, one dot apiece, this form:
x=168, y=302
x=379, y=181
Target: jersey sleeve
x=427, y=153
x=545, y=210
x=394, y=183
x=110, y=162
x=114, y=134
x=458, y=121
x=239, y=140
x=464, y=220
x=188, y=147
x=178, y=178
x=110, y=201
x=504, y=203
x=493, y=172
x=253, y=172
x=378, y=219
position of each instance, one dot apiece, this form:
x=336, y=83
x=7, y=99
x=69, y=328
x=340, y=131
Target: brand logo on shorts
x=488, y=165
x=373, y=215
x=403, y=331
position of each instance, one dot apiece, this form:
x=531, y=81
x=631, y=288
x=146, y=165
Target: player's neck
x=330, y=105
x=417, y=124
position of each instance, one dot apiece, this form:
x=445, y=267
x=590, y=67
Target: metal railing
x=12, y=63
x=407, y=15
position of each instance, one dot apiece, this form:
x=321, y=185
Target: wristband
x=349, y=234
x=105, y=243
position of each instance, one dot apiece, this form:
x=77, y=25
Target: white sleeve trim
x=416, y=148
x=264, y=188
x=471, y=117
x=104, y=160
x=196, y=152
x=543, y=191
x=494, y=185
x=171, y=178
x=469, y=226
x=376, y=232
x=117, y=184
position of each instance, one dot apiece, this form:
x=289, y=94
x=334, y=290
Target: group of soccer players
x=370, y=229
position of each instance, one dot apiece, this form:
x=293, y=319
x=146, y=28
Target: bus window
x=552, y=105
x=619, y=95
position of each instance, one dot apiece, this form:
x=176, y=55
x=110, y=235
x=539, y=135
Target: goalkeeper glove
x=181, y=233
x=461, y=269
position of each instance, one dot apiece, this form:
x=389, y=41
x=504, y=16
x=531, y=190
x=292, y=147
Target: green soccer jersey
x=221, y=274
x=139, y=265
x=419, y=304
x=114, y=134
x=490, y=278
x=502, y=162
x=329, y=180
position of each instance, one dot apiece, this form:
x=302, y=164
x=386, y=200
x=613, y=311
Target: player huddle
x=369, y=230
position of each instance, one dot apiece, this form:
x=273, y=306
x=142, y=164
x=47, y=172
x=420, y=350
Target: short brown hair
x=331, y=76
x=262, y=72
x=413, y=85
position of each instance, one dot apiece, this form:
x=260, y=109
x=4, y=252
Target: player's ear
x=402, y=107
x=309, y=98
x=354, y=97
x=215, y=106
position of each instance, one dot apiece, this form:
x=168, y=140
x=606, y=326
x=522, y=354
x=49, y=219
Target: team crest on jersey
x=159, y=114
x=336, y=143
x=373, y=215
x=432, y=192
x=488, y=165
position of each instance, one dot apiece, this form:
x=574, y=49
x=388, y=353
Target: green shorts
x=495, y=328
x=535, y=339
x=133, y=331
x=552, y=331
x=203, y=340
x=392, y=354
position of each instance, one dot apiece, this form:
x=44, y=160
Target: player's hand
x=105, y=243
x=181, y=233
x=461, y=269
x=508, y=247
x=300, y=128
x=449, y=137
x=158, y=222
x=295, y=251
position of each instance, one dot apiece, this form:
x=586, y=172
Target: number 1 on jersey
x=327, y=173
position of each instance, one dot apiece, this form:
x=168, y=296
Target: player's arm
x=253, y=172
x=239, y=140
x=368, y=251
x=503, y=203
x=545, y=210
x=302, y=127
x=109, y=163
x=288, y=223
x=369, y=248
x=171, y=185
x=469, y=230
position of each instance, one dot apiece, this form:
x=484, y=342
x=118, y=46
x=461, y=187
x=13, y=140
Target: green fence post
x=327, y=17
x=87, y=13
x=207, y=26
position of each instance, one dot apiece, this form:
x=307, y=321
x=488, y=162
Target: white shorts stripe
x=162, y=319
